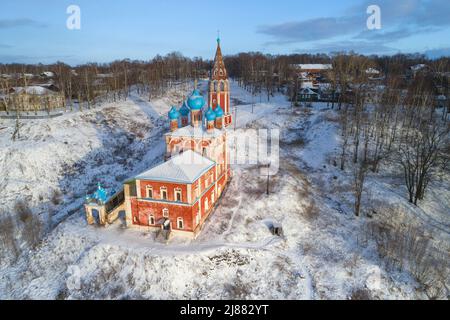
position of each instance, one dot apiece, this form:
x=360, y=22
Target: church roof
x=219, y=72
x=196, y=100
x=210, y=114
x=100, y=195
x=192, y=132
x=219, y=111
x=173, y=113
x=184, y=110
x=184, y=168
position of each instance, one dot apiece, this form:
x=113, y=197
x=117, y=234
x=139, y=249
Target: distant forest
x=257, y=69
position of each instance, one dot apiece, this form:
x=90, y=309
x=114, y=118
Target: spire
x=219, y=72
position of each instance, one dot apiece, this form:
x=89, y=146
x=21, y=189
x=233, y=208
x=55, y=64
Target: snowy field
x=323, y=254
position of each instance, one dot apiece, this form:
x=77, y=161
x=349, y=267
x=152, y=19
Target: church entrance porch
x=165, y=229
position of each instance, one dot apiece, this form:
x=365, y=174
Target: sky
x=36, y=32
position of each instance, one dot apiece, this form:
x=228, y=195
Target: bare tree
x=8, y=233
x=422, y=144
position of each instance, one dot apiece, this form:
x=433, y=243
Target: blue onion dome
x=173, y=114
x=219, y=111
x=210, y=114
x=184, y=110
x=196, y=101
x=101, y=195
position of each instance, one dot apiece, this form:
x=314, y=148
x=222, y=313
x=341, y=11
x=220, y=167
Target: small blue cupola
x=210, y=115
x=196, y=101
x=174, y=114
x=100, y=195
x=184, y=110
x=219, y=111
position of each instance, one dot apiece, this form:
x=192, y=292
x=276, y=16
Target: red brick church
x=178, y=195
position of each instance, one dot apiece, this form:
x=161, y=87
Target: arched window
x=222, y=86
x=149, y=192
x=166, y=213
x=151, y=220
x=206, y=204
x=178, y=195
x=163, y=193
x=215, y=86
x=180, y=223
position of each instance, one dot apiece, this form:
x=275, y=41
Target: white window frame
x=178, y=191
x=197, y=191
x=180, y=220
x=151, y=220
x=206, y=204
x=149, y=188
x=162, y=190
x=213, y=198
x=165, y=213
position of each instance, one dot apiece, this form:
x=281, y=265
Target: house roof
x=47, y=74
x=184, y=168
x=372, y=71
x=308, y=91
x=316, y=66
x=34, y=90
x=418, y=67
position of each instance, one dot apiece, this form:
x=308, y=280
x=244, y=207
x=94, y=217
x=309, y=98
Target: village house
x=178, y=196
x=33, y=98
x=308, y=95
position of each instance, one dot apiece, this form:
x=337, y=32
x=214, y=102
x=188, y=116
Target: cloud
x=362, y=47
x=311, y=30
x=393, y=34
x=22, y=22
x=33, y=59
x=400, y=19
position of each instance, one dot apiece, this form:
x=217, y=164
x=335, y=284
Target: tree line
x=87, y=84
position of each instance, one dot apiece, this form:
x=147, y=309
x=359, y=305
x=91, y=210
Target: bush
x=360, y=294
x=56, y=197
x=31, y=225
x=9, y=248
x=404, y=245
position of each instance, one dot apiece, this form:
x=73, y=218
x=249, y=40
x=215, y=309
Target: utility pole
x=235, y=117
x=268, y=177
x=253, y=99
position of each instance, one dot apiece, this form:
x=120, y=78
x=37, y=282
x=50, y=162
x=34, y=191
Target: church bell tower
x=219, y=89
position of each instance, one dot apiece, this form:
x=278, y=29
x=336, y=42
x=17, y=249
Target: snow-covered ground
x=321, y=255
